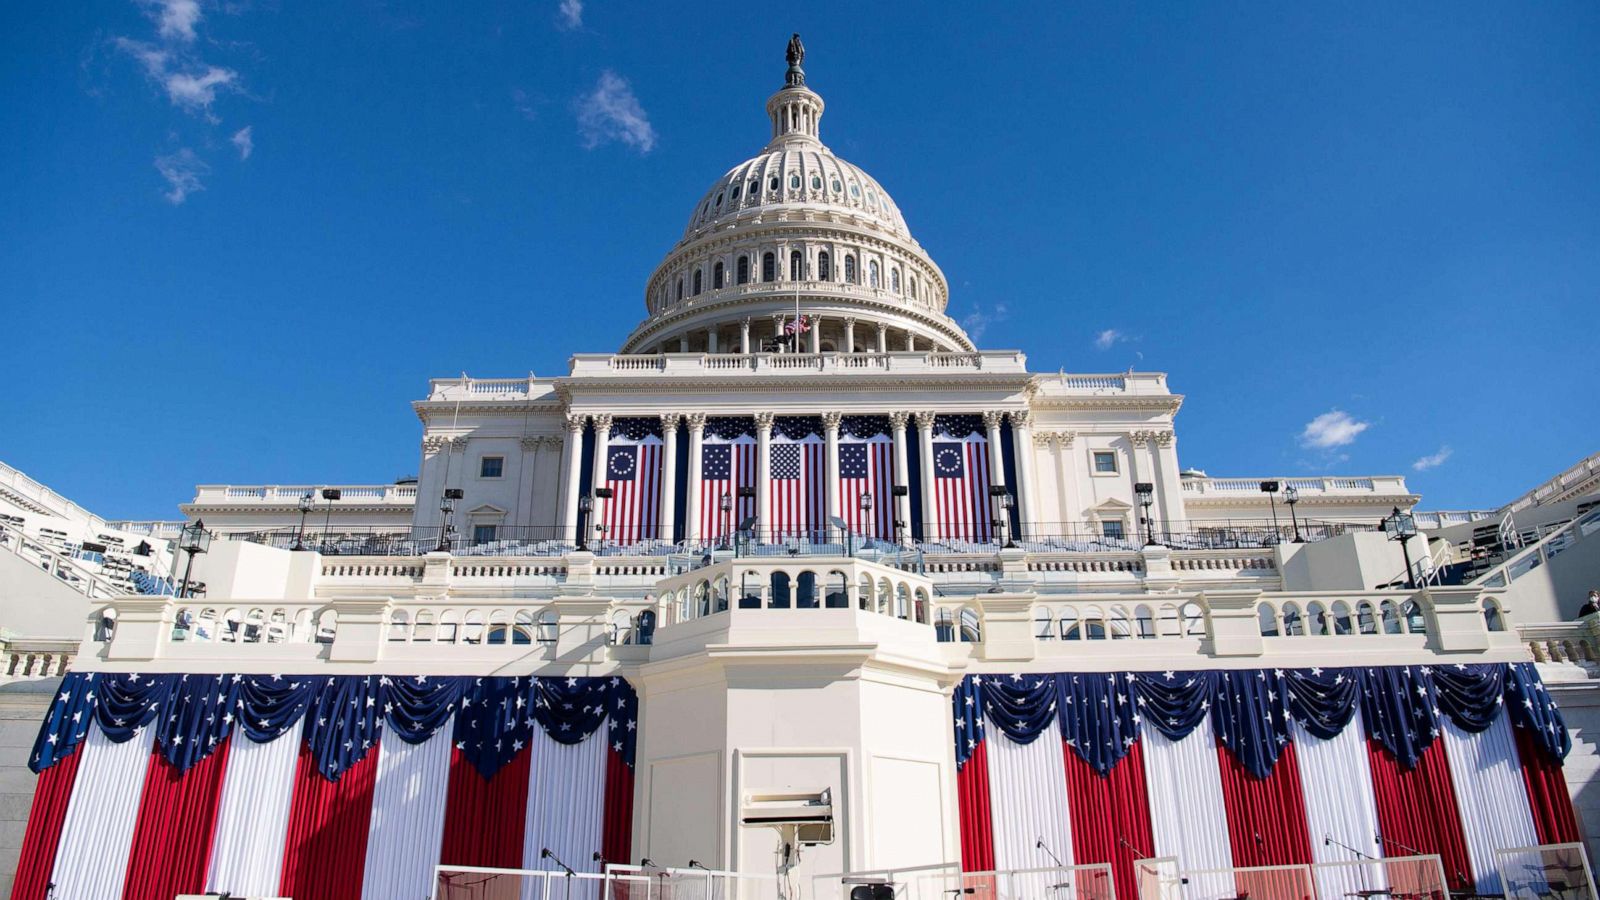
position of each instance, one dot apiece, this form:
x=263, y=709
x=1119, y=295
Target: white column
x=569, y=474
x=744, y=336
x=691, y=505
x=850, y=335
x=711, y=339
x=602, y=448
x=777, y=328
x=816, y=334
x=911, y=341
x=902, y=476
x=1022, y=439
x=683, y=343
x=883, y=338
x=930, y=506
x=763, y=474
x=997, y=462
x=529, y=465
x=1169, y=486
x=668, y=505
x=1067, y=474
x=830, y=433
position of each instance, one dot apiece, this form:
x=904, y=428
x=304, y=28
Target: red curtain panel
x=325, y=855
x=1546, y=782
x=977, y=826
x=1110, y=816
x=1266, y=825
x=484, y=818
x=172, y=835
x=1417, y=810
x=616, y=836
x=50, y=795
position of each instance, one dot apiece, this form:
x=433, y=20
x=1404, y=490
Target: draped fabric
x=1546, y=784
x=1110, y=815
x=1417, y=810
x=977, y=823
x=101, y=816
x=484, y=817
x=1250, y=720
x=325, y=852
x=51, y=794
x=1341, y=822
x=1533, y=710
x=1266, y=816
x=177, y=818
x=1188, y=818
x=961, y=478
x=566, y=795
x=1027, y=784
x=1490, y=796
x=253, y=816
x=407, y=824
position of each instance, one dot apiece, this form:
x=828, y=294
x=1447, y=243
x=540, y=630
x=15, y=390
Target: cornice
x=655, y=325
x=1246, y=499
x=1168, y=403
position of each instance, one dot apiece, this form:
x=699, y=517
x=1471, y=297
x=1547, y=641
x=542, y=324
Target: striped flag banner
x=866, y=466
x=961, y=478
x=633, y=473
x=798, y=487
x=727, y=463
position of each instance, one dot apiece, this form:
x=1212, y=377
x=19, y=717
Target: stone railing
x=32, y=659
x=714, y=365
x=1377, y=485
x=1563, y=642
x=285, y=494
x=1585, y=472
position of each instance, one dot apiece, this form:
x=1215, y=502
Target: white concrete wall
x=1358, y=561
x=35, y=604
x=22, y=707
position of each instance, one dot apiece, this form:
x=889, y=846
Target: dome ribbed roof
x=795, y=177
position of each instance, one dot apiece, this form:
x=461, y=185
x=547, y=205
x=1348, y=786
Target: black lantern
x=1270, y=488
x=1402, y=527
x=305, y=504
x=1291, y=496
x=194, y=540
x=1146, y=492
x=585, y=507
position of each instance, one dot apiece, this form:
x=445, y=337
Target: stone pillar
x=883, y=338
x=1022, y=440
x=763, y=475
x=816, y=334
x=1169, y=486
x=930, y=503
x=683, y=343
x=744, y=336
x=691, y=505
x=777, y=328
x=668, y=505
x=911, y=341
x=997, y=464
x=830, y=433
x=711, y=339
x=1067, y=477
x=569, y=473
x=850, y=335
x=902, y=468
x=602, y=449
x=529, y=466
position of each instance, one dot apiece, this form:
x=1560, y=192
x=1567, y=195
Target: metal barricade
x=1389, y=878
x=488, y=883
x=669, y=883
x=1553, y=871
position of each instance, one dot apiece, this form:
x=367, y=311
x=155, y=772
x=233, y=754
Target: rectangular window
x=1105, y=462
x=483, y=534
x=491, y=466
x=1111, y=530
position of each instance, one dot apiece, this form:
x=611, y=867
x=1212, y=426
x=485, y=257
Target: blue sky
x=239, y=237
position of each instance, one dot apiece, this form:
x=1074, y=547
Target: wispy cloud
x=245, y=141
x=190, y=86
x=1334, y=428
x=1433, y=460
x=183, y=171
x=611, y=112
x=175, y=19
x=570, y=14
x=524, y=104
x=1108, y=338
x=978, y=321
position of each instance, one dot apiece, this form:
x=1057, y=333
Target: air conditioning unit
x=809, y=816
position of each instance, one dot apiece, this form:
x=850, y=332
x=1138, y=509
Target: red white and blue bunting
x=319, y=786
x=1391, y=761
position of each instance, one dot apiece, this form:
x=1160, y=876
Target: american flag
x=961, y=488
x=725, y=467
x=797, y=325
x=633, y=473
x=867, y=467
x=798, y=489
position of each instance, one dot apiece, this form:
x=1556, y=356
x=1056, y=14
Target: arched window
x=716, y=277
x=850, y=269
x=944, y=627
x=824, y=266
x=1491, y=616
x=1043, y=625
x=780, y=591
x=549, y=627
x=872, y=273
x=806, y=591
x=971, y=631
x=797, y=265
x=742, y=273
x=913, y=287
x=769, y=267
x=680, y=289
x=1267, y=619
x=697, y=274
x=894, y=280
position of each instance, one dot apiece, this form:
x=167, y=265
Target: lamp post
x=748, y=492
x=1145, y=491
x=603, y=493
x=447, y=505
x=1291, y=496
x=725, y=504
x=194, y=540
x=1270, y=488
x=330, y=495
x=1402, y=527
x=305, y=503
x=585, y=507
x=1006, y=502
x=1001, y=495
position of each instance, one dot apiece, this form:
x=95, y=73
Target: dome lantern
x=796, y=109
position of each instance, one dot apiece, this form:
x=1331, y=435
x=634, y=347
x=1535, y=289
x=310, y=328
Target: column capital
x=883, y=326
x=433, y=443
x=553, y=440
x=532, y=442
x=574, y=422
x=669, y=422
x=697, y=422
x=458, y=443
x=924, y=419
x=898, y=420
x=1139, y=438
x=764, y=421
x=1021, y=418
x=602, y=422
x=1164, y=439
x=992, y=419
x=850, y=321
x=831, y=420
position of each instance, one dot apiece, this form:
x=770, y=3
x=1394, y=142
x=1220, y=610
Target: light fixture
x=330, y=495
x=305, y=504
x=1291, y=496
x=1402, y=527
x=1145, y=491
x=194, y=540
x=585, y=507
x=1270, y=488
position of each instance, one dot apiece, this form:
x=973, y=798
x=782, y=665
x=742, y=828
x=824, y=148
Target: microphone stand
x=544, y=853
x=1039, y=844
x=1328, y=839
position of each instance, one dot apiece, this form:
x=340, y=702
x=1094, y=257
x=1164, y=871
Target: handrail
x=90, y=584
x=1541, y=551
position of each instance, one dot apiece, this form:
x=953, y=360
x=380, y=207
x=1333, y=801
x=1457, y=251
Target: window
x=491, y=467
x=797, y=266
x=716, y=277
x=769, y=267
x=872, y=273
x=794, y=182
x=680, y=289
x=1105, y=462
x=894, y=280
x=816, y=182
x=697, y=274
x=718, y=204
x=734, y=194
x=773, y=184
x=836, y=186
x=850, y=269
x=855, y=190
x=1111, y=529
x=483, y=534
x=913, y=287
x=742, y=272
x=824, y=266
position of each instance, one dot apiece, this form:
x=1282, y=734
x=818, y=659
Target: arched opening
x=824, y=266
x=1341, y=617
x=719, y=595
x=1293, y=625
x=702, y=599
x=449, y=626
x=1043, y=624
x=872, y=273
x=944, y=627
x=1267, y=620
x=1416, y=622
x=902, y=601
x=742, y=270
x=1067, y=625
x=971, y=630
x=472, y=627
x=697, y=274
x=1316, y=618
x=424, y=627
x=1492, y=619
x=522, y=630
x=894, y=280
x=864, y=593
x=499, y=627
x=1144, y=622
x=1194, y=620
x=850, y=274
x=797, y=266
x=838, y=594
x=621, y=627
x=1391, y=617
x=779, y=598
x=716, y=277
x=769, y=267
x=1365, y=620
x=680, y=288
x=750, y=590
x=806, y=591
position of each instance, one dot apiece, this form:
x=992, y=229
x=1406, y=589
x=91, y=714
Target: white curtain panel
x=407, y=817
x=1487, y=774
x=1028, y=803
x=1188, y=819
x=253, y=815
x=97, y=835
x=1336, y=781
x=566, y=809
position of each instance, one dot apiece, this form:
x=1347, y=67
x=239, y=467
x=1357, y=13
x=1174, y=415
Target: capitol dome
x=796, y=229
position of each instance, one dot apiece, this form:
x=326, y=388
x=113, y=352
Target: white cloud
x=175, y=19
x=612, y=113
x=571, y=14
x=1433, y=460
x=1334, y=428
x=182, y=170
x=978, y=321
x=244, y=142
x=1106, y=339
x=192, y=88
x=524, y=104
